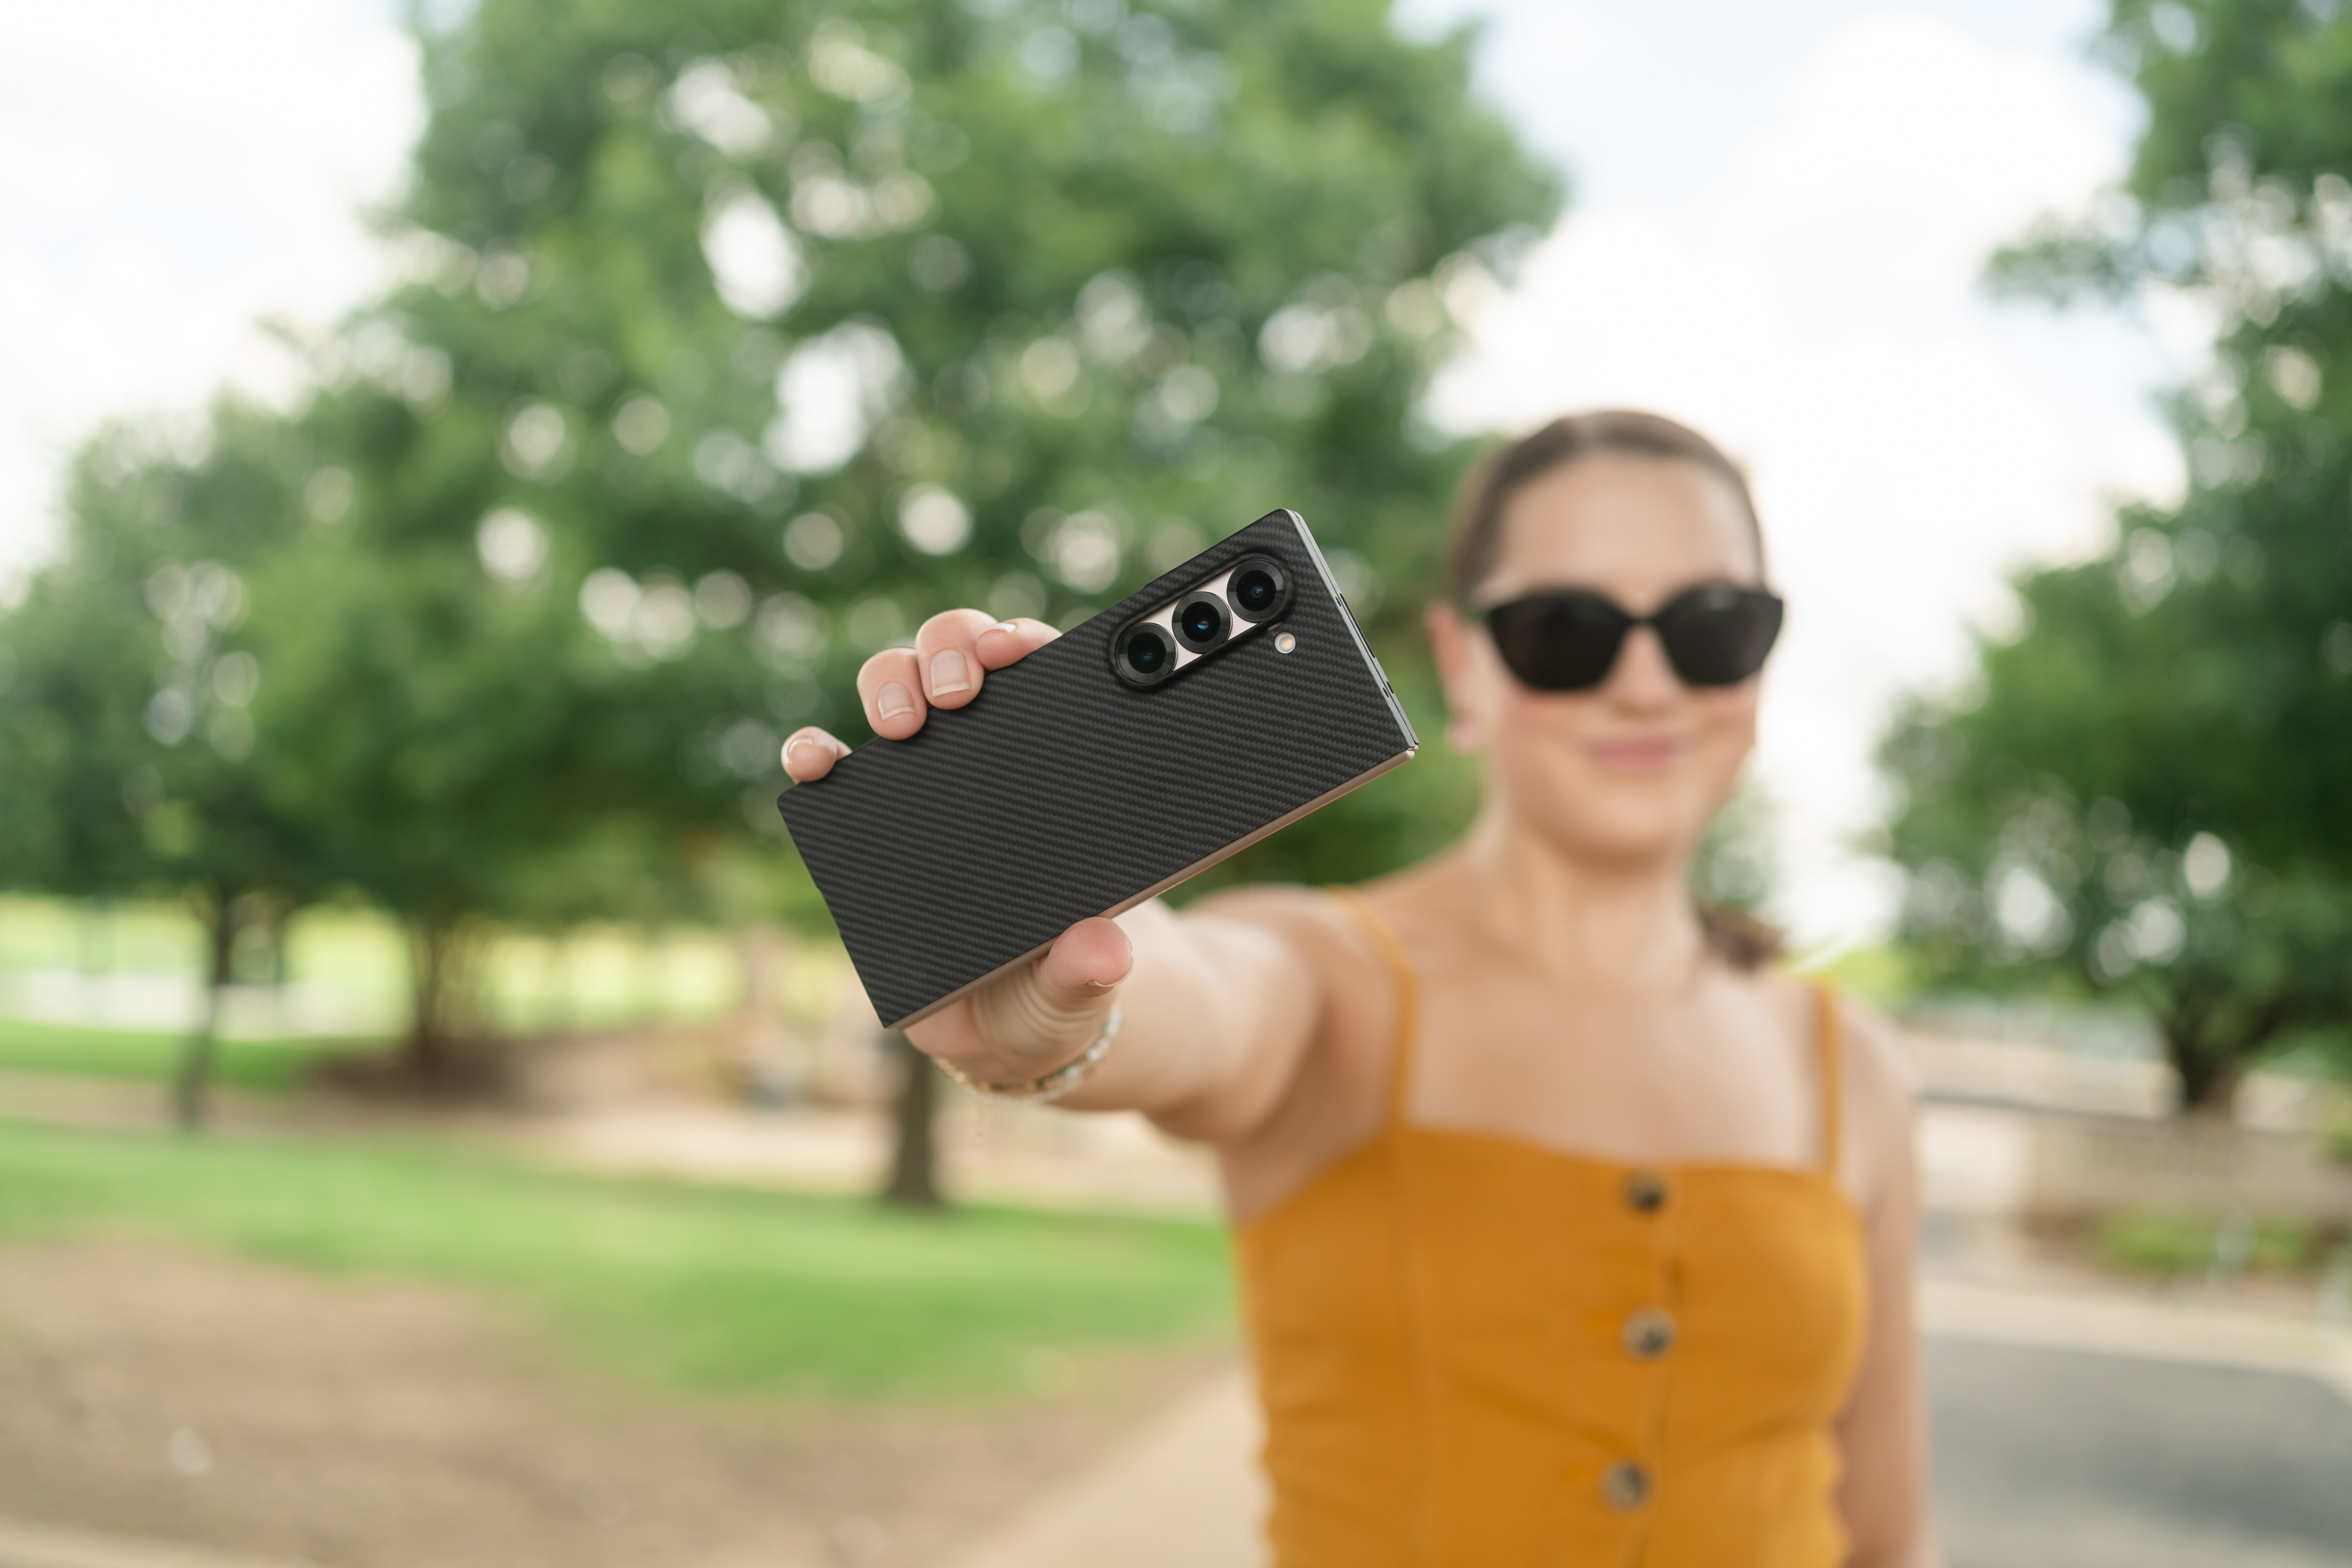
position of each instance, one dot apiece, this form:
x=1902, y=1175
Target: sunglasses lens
x=1562, y=642
x=1718, y=634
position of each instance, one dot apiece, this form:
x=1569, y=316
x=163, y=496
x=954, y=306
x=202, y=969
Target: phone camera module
x=1201, y=621
x=1259, y=589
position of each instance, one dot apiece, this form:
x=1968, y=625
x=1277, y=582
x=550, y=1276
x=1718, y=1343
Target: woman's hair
x=1477, y=539
x=1476, y=543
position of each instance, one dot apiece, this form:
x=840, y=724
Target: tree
x=760, y=335
x=733, y=340
x=127, y=740
x=847, y=318
x=2065, y=823
x=2148, y=788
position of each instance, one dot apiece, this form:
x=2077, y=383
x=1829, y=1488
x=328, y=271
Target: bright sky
x=171, y=174
x=1778, y=216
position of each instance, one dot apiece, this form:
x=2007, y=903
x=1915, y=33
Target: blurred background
x=445, y=449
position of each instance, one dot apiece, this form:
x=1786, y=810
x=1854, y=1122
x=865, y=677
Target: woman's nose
x=1643, y=677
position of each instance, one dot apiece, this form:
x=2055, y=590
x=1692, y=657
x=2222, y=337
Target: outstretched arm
x=1215, y=1018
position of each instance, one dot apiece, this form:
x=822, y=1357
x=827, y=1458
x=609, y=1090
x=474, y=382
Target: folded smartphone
x=1229, y=697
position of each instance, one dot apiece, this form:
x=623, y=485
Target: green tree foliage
x=127, y=730
x=729, y=342
x=2148, y=789
x=867, y=313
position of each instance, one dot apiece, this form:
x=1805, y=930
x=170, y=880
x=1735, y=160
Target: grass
x=709, y=1290
x=265, y=1067
x=2146, y=1241
x=592, y=977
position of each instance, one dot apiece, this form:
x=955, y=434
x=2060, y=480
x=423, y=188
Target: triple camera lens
x=1255, y=591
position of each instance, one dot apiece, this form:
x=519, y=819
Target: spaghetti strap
x=1826, y=1034
x=1393, y=960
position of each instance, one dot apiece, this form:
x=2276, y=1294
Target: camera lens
x=1148, y=652
x=1258, y=589
x=1201, y=621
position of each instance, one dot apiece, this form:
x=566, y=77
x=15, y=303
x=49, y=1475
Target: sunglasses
x=1566, y=639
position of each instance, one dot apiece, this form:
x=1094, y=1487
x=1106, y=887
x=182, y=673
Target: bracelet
x=1050, y=1086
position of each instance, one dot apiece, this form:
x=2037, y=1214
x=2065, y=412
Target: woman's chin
x=1629, y=821
x=1625, y=840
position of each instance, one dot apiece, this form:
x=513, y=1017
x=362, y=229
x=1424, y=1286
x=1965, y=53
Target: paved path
x=2068, y=1458
x=1187, y=1495
x=38, y=1546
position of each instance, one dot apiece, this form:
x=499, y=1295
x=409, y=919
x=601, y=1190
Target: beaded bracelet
x=1050, y=1086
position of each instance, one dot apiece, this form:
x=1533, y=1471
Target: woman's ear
x=1449, y=640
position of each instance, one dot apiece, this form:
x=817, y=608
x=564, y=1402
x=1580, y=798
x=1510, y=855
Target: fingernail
x=1010, y=628
x=795, y=744
x=893, y=700
x=1101, y=984
x=947, y=673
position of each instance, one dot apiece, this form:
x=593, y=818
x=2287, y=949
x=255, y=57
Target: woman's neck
x=1609, y=925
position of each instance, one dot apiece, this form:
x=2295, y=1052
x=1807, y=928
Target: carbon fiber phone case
x=1061, y=792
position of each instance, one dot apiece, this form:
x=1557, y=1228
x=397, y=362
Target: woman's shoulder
x=1869, y=1045
x=1878, y=1068
x=1875, y=1081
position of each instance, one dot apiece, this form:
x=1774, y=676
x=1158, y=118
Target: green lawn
x=711, y=1290
x=261, y=1066
x=2148, y=1241
x=594, y=976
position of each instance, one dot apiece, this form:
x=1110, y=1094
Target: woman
x=1570, y=1232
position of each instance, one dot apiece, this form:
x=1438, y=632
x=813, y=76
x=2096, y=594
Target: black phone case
x=1061, y=792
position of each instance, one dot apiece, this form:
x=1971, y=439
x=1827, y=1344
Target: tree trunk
x=191, y=1083
x=440, y=971
x=281, y=915
x=914, y=1163
x=2209, y=1079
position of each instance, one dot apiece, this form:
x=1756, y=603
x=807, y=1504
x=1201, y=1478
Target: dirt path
x=152, y=1391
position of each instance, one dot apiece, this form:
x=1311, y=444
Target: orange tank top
x=1475, y=1352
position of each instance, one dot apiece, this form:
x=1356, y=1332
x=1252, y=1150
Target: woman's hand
x=1031, y=1019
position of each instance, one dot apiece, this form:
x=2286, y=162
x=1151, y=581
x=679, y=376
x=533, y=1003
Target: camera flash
x=1283, y=642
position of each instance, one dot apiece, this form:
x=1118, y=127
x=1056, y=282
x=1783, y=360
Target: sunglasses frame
x=1661, y=621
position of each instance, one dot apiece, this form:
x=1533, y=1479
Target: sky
x=1777, y=218
x=1777, y=223
x=171, y=175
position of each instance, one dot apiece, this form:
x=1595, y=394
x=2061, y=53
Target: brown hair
x=1476, y=538
x=1476, y=541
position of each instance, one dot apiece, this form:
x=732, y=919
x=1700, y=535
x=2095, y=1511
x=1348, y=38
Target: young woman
x=1570, y=1231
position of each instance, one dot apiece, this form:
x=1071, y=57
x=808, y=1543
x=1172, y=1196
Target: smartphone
x=1227, y=698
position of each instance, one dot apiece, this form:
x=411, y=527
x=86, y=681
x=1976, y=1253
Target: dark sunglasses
x=1566, y=639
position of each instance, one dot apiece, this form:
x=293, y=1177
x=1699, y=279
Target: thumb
x=1057, y=1004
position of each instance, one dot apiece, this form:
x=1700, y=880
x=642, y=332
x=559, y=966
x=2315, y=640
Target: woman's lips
x=1639, y=754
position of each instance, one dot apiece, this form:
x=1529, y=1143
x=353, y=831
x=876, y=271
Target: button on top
x=1645, y=1191
x=1648, y=1332
x=1625, y=1486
